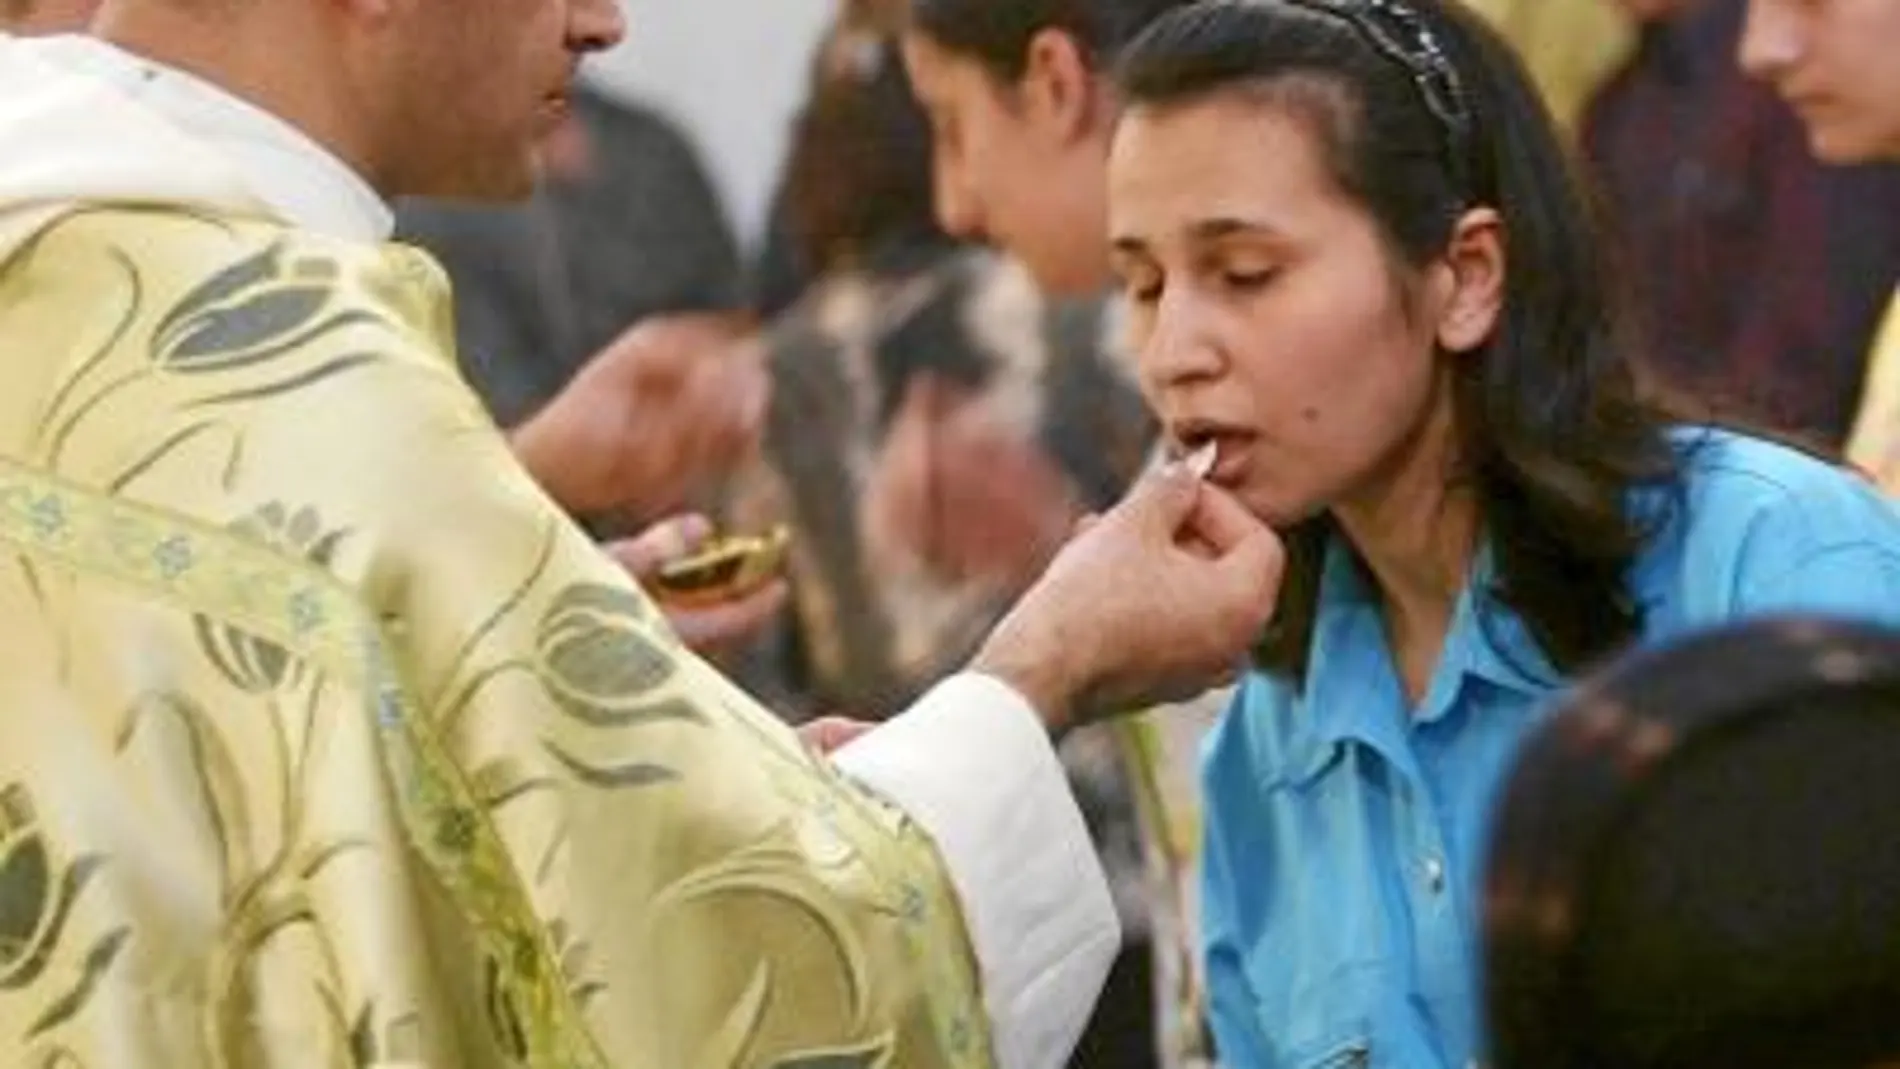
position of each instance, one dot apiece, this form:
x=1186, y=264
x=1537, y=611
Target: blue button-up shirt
x=1345, y=828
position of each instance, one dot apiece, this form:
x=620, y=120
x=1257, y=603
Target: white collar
x=298, y=179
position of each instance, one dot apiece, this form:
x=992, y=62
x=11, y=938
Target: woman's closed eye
x=1247, y=281
x=1241, y=271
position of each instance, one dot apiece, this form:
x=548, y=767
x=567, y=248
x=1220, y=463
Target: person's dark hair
x=859, y=173
x=997, y=33
x=1555, y=433
x=1696, y=861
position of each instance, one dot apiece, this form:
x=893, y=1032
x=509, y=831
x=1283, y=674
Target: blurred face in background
x=1837, y=62
x=1021, y=164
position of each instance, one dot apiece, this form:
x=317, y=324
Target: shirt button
x=1435, y=874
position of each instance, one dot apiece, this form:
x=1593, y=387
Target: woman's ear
x=1474, y=267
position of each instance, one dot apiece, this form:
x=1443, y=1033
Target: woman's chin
x=1276, y=511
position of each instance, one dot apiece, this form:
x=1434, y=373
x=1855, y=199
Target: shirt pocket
x=1330, y=1023
x=1350, y=1051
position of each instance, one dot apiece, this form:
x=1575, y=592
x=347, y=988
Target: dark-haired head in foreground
x=1697, y=862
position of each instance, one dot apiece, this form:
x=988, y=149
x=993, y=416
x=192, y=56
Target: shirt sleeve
x=1828, y=545
x=972, y=763
x=1858, y=580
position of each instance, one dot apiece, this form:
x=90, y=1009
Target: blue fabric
x=1345, y=830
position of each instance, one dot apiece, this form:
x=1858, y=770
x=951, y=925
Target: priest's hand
x=1157, y=600
x=673, y=402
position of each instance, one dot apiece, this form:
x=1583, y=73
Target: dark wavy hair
x=997, y=33
x=1555, y=433
x=858, y=176
x=1714, y=823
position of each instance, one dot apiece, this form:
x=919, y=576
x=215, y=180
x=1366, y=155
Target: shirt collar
x=1352, y=687
x=1496, y=645
x=286, y=170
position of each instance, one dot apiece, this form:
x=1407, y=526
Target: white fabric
x=155, y=134
x=973, y=764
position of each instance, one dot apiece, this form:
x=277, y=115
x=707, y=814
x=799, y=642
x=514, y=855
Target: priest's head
x=421, y=97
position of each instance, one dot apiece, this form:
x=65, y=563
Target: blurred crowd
x=923, y=370
x=952, y=331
